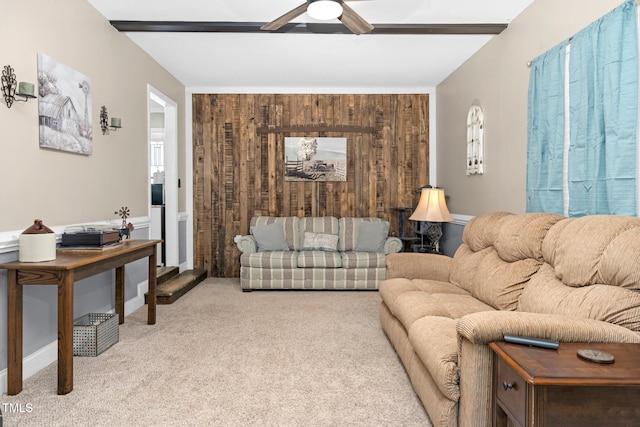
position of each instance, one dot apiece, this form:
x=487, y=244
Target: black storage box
x=90, y=238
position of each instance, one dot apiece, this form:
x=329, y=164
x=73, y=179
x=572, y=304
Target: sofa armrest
x=392, y=245
x=414, y=265
x=487, y=326
x=246, y=244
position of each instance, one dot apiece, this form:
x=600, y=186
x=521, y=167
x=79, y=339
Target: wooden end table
x=540, y=387
x=68, y=267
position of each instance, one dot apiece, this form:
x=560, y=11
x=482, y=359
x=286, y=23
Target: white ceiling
x=241, y=62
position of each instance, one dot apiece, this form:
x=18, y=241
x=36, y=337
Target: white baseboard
x=48, y=354
x=33, y=363
x=136, y=302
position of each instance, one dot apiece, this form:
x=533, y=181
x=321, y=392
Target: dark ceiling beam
x=301, y=28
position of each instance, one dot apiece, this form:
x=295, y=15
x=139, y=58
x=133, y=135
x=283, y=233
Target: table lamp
x=432, y=209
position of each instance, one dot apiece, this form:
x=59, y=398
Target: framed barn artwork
x=315, y=159
x=64, y=107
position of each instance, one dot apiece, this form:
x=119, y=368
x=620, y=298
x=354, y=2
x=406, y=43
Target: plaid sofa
x=300, y=265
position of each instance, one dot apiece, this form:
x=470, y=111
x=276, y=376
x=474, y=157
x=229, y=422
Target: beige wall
x=497, y=79
x=59, y=187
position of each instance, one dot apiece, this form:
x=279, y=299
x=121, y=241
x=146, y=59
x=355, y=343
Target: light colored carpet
x=221, y=357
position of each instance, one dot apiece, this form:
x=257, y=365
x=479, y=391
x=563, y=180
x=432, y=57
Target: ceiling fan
x=324, y=9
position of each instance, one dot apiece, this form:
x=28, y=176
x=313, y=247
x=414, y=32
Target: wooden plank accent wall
x=238, y=146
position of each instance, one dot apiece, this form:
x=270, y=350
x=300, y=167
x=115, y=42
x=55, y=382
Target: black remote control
x=532, y=342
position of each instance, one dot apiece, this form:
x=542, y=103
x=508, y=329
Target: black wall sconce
x=9, y=84
x=116, y=122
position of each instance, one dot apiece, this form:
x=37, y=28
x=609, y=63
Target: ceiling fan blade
x=278, y=23
x=353, y=21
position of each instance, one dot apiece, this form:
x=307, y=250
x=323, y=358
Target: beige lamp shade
x=431, y=207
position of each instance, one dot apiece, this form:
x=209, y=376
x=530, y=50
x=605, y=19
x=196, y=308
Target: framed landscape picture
x=64, y=107
x=315, y=159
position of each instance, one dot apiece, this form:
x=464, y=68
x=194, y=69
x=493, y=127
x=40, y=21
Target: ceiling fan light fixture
x=324, y=9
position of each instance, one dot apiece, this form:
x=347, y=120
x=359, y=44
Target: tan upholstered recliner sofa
x=537, y=275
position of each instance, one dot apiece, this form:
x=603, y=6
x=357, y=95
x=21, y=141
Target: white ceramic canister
x=37, y=243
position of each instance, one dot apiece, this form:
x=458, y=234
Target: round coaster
x=596, y=356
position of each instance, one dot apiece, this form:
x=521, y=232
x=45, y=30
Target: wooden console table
x=68, y=267
x=541, y=387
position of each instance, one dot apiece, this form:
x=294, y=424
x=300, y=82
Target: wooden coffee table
x=539, y=387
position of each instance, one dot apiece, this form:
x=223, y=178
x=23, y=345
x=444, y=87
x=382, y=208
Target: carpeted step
x=172, y=289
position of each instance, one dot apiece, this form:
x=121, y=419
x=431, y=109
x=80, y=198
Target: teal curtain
x=545, y=131
x=603, y=104
x=599, y=172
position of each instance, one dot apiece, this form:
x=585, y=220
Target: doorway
x=163, y=174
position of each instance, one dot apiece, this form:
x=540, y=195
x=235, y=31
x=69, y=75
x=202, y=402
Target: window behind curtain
x=602, y=103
